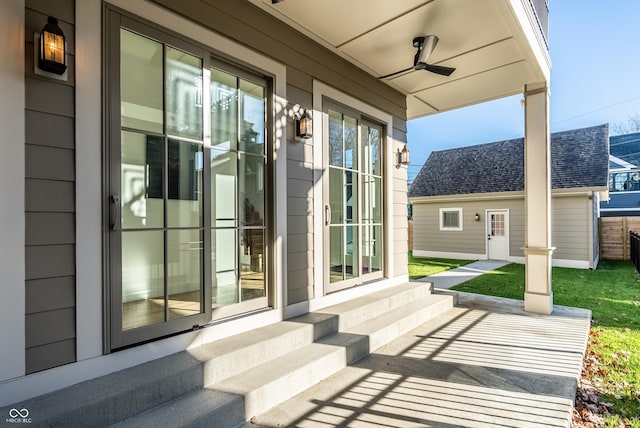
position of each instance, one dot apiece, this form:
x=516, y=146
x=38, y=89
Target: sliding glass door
x=188, y=184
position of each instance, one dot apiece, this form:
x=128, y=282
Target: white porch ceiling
x=492, y=44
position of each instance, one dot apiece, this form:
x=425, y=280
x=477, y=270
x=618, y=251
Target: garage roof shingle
x=579, y=158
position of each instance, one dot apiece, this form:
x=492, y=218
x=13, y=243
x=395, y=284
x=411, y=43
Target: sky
x=595, y=79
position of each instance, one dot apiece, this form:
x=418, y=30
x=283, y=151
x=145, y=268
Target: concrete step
x=273, y=382
x=114, y=397
x=203, y=408
x=227, y=357
x=387, y=327
x=228, y=381
x=269, y=384
x=371, y=306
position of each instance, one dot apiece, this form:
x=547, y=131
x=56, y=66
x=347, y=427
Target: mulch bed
x=590, y=408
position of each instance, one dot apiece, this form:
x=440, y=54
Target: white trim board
x=321, y=90
x=88, y=127
x=12, y=189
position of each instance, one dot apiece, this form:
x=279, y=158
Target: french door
x=353, y=249
x=188, y=180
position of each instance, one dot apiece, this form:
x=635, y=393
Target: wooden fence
x=614, y=236
x=410, y=232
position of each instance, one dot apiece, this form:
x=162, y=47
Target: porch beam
x=537, y=188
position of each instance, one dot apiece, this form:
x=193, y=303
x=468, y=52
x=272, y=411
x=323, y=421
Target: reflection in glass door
x=353, y=200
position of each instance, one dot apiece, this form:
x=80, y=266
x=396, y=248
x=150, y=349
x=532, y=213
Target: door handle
x=488, y=237
x=114, y=212
x=327, y=215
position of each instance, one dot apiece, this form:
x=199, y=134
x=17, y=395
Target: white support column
x=537, y=189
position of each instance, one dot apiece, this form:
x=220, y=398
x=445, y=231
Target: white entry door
x=498, y=235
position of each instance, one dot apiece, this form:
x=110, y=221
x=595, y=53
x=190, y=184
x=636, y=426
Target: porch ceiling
x=494, y=44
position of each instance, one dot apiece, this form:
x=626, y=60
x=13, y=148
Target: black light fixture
x=402, y=157
x=477, y=217
x=52, y=51
x=304, y=125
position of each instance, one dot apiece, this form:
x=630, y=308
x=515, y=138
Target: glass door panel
x=184, y=175
x=252, y=114
x=184, y=272
x=336, y=255
x=336, y=146
x=183, y=94
x=224, y=188
x=142, y=278
x=353, y=199
x=224, y=110
x=142, y=160
x=351, y=259
x=225, y=267
x=141, y=82
x=252, y=265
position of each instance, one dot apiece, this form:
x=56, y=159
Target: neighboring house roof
x=626, y=147
x=579, y=158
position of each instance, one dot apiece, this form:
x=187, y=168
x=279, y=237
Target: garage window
x=450, y=218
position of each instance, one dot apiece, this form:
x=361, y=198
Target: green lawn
x=420, y=267
x=612, y=293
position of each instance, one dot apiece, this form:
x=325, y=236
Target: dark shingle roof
x=579, y=158
x=626, y=147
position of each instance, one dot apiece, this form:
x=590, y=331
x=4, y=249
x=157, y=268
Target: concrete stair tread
x=229, y=356
x=229, y=344
x=201, y=408
x=385, y=328
x=375, y=324
x=370, y=306
x=282, y=366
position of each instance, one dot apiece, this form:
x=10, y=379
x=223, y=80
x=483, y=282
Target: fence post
x=634, y=247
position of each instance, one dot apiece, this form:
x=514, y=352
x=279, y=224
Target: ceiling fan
x=425, y=46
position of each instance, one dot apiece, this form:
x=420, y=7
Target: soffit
x=485, y=40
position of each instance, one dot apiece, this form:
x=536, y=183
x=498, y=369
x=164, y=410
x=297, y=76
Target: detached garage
x=469, y=203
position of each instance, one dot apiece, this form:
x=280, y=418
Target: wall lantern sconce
x=402, y=157
x=52, y=51
x=304, y=125
x=477, y=217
